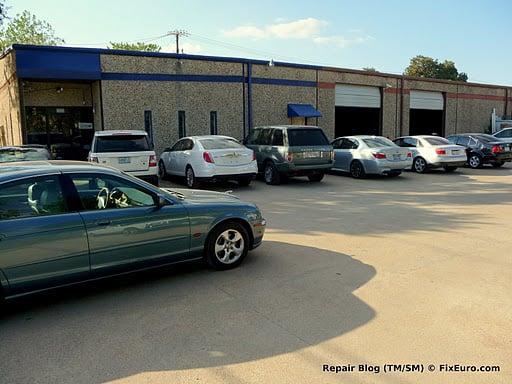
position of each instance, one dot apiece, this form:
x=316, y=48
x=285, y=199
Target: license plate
x=309, y=155
x=124, y=160
x=456, y=152
x=396, y=157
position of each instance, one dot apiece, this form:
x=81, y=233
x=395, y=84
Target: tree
x=424, y=66
x=3, y=12
x=25, y=28
x=146, y=47
x=369, y=69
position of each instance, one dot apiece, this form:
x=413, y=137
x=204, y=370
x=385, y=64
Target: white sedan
x=433, y=152
x=209, y=158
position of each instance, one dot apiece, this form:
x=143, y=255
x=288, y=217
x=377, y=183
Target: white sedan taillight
x=152, y=161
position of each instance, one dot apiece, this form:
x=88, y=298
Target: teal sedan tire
x=227, y=246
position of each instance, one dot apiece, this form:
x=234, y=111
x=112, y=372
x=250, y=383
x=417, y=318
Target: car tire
x=475, y=161
x=419, y=165
x=450, y=169
x=162, y=172
x=271, y=174
x=244, y=181
x=498, y=164
x=316, y=177
x=357, y=170
x=227, y=246
x=191, y=179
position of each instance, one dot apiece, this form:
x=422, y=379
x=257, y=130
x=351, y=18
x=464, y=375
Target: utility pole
x=178, y=33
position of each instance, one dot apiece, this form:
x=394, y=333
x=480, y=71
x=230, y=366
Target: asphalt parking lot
x=416, y=269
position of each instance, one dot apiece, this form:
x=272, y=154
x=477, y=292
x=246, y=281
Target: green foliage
x=25, y=28
x=146, y=47
x=424, y=66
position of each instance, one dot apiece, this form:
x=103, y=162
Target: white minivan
x=128, y=151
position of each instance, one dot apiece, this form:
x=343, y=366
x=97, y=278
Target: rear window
x=220, y=143
x=122, y=143
x=486, y=138
x=11, y=155
x=306, y=137
x=377, y=142
x=436, y=140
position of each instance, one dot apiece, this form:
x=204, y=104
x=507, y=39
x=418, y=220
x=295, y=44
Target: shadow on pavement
x=283, y=298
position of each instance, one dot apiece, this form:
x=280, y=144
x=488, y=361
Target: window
x=220, y=143
x=99, y=191
x=8, y=155
x=213, y=123
x=349, y=144
x=306, y=137
x=452, y=139
x=436, y=140
x=336, y=144
x=409, y=142
x=38, y=196
x=182, y=128
x=504, y=133
x=265, y=137
x=187, y=145
x=121, y=143
x=148, y=126
x=277, y=139
x=178, y=146
x=463, y=140
x=378, y=142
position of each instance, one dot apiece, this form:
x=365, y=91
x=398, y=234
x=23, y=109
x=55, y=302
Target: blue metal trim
x=106, y=51
x=288, y=82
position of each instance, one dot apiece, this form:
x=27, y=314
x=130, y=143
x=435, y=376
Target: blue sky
x=350, y=34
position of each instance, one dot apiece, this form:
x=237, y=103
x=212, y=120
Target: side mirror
x=161, y=201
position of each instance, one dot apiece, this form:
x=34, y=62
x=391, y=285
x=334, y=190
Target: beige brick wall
x=49, y=94
x=10, y=112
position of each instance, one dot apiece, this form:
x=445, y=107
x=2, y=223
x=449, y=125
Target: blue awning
x=302, y=110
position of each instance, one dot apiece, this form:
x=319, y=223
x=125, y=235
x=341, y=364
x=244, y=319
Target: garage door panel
x=426, y=100
x=357, y=96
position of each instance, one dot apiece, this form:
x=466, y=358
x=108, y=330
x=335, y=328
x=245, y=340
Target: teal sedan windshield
x=9, y=155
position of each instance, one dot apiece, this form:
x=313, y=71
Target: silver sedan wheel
x=229, y=246
x=419, y=165
x=474, y=161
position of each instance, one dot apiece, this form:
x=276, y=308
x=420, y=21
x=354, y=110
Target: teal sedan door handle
x=103, y=223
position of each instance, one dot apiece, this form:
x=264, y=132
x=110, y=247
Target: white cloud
x=309, y=28
x=189, y=48
x=298, y=29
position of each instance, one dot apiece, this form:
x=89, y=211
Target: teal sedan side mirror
x=161, y=201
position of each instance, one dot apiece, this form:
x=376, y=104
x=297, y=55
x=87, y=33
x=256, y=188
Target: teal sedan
x=65, y=222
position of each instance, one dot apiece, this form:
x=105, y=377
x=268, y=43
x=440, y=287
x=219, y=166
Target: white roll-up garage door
x=357, y=96
x=426, y=100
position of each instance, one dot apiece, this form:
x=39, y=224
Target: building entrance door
x=66, y=131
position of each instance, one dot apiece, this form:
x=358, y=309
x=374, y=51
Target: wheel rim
x=229, y=246
x=356, y=170
x=419, y=165
x=474, y=161
x=161, y=170
x=268, y=174
x=190, y=177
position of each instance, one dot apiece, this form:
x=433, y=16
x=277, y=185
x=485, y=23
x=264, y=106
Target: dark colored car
x=483, y=149
x=63, y=222
x=23, y=153
x=291, y=150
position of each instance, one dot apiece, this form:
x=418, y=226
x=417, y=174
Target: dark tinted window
x=349, y=144
x=8, y=155
x=278, y=137
x=410, y=142
x=336, y=144
x=122, y=143
x=148, y=125
x=38, y=196
x=265, y=137
x=253, y=136
x=306, y=137
x=219, y=143
x=187, y=145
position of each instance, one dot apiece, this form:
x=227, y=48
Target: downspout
x=249, y=95
x=396, y=110
x=401, y=107
x=316, y=105
x=243, y=102
x=23, y=125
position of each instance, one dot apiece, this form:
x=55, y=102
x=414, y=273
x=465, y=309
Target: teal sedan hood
x=198, y=196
